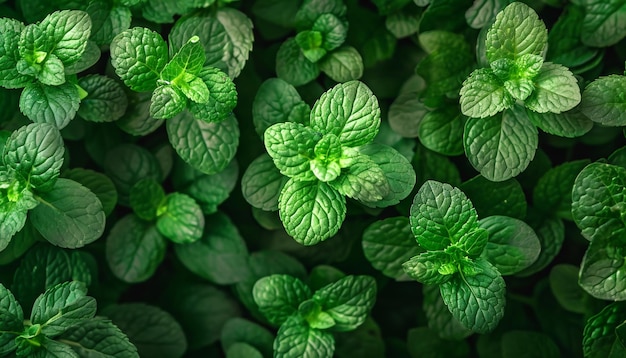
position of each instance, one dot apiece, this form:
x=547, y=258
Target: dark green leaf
x=296, y=339
x=504, y=198
x=278, y=297
x=55, y=105
x=106, y=100
x=98, y=338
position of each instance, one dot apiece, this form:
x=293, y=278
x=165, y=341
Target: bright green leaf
x=55, y=105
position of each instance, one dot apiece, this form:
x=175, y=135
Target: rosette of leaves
x=517, y=93
x=599, y=210
x=463, y=256
x=65, y=213
x=322, y=28
x=313, y=165
x=42, y=58
x=307, y=319
x=62, y=323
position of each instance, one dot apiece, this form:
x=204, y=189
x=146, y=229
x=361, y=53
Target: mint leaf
x=343, y=64
x=208, y=147
x=180, y=219
x=483, y=94
x=292, y=66
x=388, y=243
x=167, y=102
x=483, y=12
x=35, y=153
x=68, y=31
x=139, y=55
x=311, y=211
x=441, y=215
x=134, y=249
x=599, y=334
x=476, y=301
x=9, y=55
x=11, y=320
x=222, y=97
x=430, y=267
x=602, y=101
x=326, y=165
x=601, y=268
x=106, y=100
x=146, y=196
x=517, y=31
x=276, y=101
x=296, y=339
x=553, y=192
x=348, y=110
x=598, y=199
x=507, y=197
x=243, y=331
x=62, y=307
x=571, y=124
x=278, y=297
x=189, y=60
x=512, y=245
x=98, y=337
x=107, y=20
x=126, y=164
x=363, y=180
x=220, y=256
x=442, y=131
x=152, y=330
x=556, y=90
x=55, y=105
x=348, y=301
x=90, y=57
x=136, y=120
x=603, y=24
x=70, y=215
x=310, y=11
x=291, y=146
x=551, y=235
x=98, y=183
x=564, y=285
x=502, y=146
x=406, y=113
x=440, y=320
x=332, y=29
x=262, y=183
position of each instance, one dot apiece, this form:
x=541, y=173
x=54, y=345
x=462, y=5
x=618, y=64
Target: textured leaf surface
x=182, y=220
x=342, y=65
x=262, y=183
x=296, y=339
x=222, y=96
x=126, y=164
x=99, y=338
x=348, y=301
x=106, y=100
x=311, y=212
x=556, y=90
x=291, y=146
x=134, y=249
x=278, y=297
x=292, y=66
x=502, y=146
x=69, y=216
x=440, y=319
x=483, y=94
x=476, y=301
x=604, y=23
x=602, y=269
x=603, y=102
x=506, y=197
x=274, y=102
x=55, y=105
x=570, y=124
x=599, y=338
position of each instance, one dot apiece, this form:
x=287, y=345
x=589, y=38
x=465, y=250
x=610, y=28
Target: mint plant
x=326, y=159
x=307, y=319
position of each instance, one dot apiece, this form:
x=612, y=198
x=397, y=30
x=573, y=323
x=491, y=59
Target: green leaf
x=483, y=94
x=476, y=301
x=397, y=169
x=598, y=198
x=553, y=192
x=348, y=110
x=10, y=224
x=90, y=57
x=556, y=90
x=502, y=146
x=126, y=164
x=107, y=20
x=602, y=268
x=291, y=146
x=602, y=100
x=222, y=96
x=326, y=164
x=551, y=234
x=180, y=219
x=348, y=301
x=242, y=350
x=442, y=131
x=483, y=12
x=68, y=31
x=406, y=113
x=134, y=249
x=278, y=297
x=146, y=197
x=441, y=215
x=35, y=153
x=100, y=338
x=149, y=328
x=565, y=287
x=570, y=124
x=243, y=331
x=343, y=64
x=504, y=198
x=220, y=256
x=230, y=34
x=292, y=66
x=11, y=320
x=61, y=307
x=388, y=243
x=69, y=216
x=363, y=180
x=517, y=31
x=512, y=245
x=106, y=100
x=536, y=344
x=167, y=102
x=310, y=43
x=189, y=60
x=137, y=121
x=296, y=339
x=262, y=183
x=139, y=55
x=440, y=320
x=55, y=105
x=403, y=24
x=312, y=211
x=9, y=55
x=208, y=147
x=603, y=24
x=430, y=267
x=332, y=29
x=599, y=339
x=276, y=101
